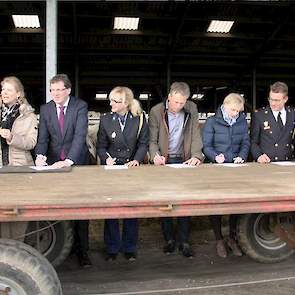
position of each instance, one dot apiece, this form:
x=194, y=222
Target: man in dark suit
x=62, y=141
x=272, y=128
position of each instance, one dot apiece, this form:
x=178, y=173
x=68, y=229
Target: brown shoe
x=232, y=244
x=220, y=248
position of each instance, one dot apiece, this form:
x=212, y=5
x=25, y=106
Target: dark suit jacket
x=266, y=136
x=125, y=146
x=50, y=139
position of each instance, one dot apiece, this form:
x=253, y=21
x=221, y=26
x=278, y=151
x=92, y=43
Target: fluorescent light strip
x=198, y=96
x=26, y=21
x=144, y=96
x=126, y=23
x=219, y=26
x=101, y=96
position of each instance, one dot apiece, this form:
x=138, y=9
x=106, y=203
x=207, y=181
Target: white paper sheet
x=42, y=168
x=180, y=166
x=115, y=167
x=284, y=163
x=232, y=165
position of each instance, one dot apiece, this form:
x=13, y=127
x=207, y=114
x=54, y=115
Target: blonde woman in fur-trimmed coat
x=18, y=135
x=18, y=125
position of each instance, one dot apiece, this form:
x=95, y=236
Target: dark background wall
x=171, y=44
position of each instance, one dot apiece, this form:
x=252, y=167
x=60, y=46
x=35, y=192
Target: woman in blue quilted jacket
x=226, y=140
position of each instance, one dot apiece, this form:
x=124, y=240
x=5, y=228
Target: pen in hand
x=110, y=160
x=159, y=160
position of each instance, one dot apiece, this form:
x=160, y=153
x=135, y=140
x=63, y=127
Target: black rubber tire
x=55, y=242
x=26, y=271
x=257, y=239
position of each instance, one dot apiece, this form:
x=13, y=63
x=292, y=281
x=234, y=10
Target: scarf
x=7, y=118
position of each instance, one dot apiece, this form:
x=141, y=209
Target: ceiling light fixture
x=220, y=26
x=101, y=96
x=26, y=21
x=198, y=96
x=144, y=96
x=126, y=23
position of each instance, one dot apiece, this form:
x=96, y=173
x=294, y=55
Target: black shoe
x=186, y=250
x=84, y=260
x=169, y=248
x=111, y=256
x=131, y=256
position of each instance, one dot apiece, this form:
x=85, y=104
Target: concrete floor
x=154, y=273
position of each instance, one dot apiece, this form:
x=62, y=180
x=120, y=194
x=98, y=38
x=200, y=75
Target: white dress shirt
x=283, y=115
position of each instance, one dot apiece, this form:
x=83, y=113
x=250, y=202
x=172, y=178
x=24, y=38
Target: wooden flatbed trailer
x=91, y=192
x=260, y=193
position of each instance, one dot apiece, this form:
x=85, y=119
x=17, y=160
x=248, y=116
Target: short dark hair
x=63, y=78
x=279, y=87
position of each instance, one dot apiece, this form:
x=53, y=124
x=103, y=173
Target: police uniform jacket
x=267, y=137
x=126, y=145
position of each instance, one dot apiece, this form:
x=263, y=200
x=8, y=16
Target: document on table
x=115, y=167
x=284, y=163
x=42, y=168
x=232, y=165
x=180, y=166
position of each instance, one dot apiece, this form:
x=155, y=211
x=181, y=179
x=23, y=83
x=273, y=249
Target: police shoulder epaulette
x=103, y=114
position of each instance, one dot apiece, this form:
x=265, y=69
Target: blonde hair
x=234, y=100
x=133, y=104
x=19, y=87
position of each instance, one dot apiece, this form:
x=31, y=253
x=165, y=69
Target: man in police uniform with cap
x=272, y=128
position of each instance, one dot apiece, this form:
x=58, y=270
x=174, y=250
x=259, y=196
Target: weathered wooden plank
x=147, y=191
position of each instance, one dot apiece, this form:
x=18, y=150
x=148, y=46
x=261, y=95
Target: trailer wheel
x=54, y=241
x=257, y=238
x=24, y=271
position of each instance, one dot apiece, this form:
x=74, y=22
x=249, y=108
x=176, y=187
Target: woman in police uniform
x=122, y=140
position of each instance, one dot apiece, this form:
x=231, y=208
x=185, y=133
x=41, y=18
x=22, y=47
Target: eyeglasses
x=276, y=100
x=57, y=90
x=116, y=101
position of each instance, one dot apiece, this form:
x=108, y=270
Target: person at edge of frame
x=272, y=128
x=18, y=137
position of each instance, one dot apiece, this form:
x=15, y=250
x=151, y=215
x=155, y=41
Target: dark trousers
x=183, y=226
x=81, y=227
x=81, y=231
x=183, y=223
x=112, y=237
x=216, y=225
